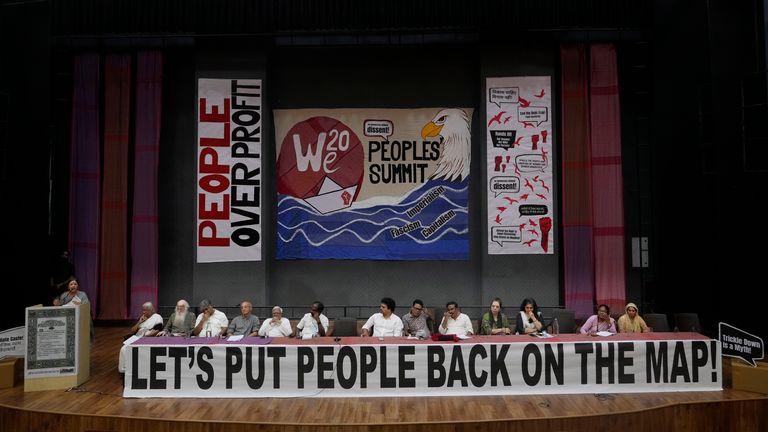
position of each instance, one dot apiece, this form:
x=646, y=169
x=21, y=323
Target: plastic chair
x=687, y=322
x=433, y=324
x=345, y=326
x=566, y=320
x=658, y=322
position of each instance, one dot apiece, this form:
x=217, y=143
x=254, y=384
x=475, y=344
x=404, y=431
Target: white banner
x=12, y=342
x=229, y=370
x=228, y=170
x=520, y=187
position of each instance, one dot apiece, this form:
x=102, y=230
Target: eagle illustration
x=452, y=126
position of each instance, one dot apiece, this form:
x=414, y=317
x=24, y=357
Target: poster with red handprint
x=519, y=145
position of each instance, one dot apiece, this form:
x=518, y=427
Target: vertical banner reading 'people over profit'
x=228, y=170
x=389, y=184
x=520, y=186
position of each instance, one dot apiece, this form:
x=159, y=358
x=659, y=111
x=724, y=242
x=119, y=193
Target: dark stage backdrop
x=333, y=77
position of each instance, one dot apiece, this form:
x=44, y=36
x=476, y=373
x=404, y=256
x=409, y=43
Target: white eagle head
x=452, y=125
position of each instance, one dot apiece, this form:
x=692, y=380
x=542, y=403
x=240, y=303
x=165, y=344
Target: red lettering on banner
x=214, y=183
x=217, y=142
x=214, y=116
x=214, y=180
x=211, y=239
x=209, y=162
x=213, y=211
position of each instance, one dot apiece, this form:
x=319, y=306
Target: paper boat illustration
x=331, y=197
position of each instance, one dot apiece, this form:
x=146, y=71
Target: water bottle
x=555, y=327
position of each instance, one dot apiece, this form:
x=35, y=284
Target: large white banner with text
x=520, y=187
x=336, y=370
x=228, y=170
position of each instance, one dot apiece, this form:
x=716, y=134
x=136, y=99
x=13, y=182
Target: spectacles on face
x=631, y=310
x=417, y=308
x=602, y=311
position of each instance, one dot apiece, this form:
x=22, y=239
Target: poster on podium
x=52, y=334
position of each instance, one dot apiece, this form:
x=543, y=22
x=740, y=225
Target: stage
x=98, y=405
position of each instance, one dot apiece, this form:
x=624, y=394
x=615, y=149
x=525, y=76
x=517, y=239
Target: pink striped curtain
x=84, y=175
x=593, y=216
x=578, y=267
x=144, y=262
x=607, y=183
x=114, y=228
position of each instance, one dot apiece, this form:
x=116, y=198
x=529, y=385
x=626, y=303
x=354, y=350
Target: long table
x=391, y=367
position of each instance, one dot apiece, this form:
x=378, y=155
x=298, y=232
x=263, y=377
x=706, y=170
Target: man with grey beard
x=181, y=322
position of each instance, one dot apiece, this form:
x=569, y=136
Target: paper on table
x=604, y=333
x=131, y=340
x=235, y=338
x=462, y=337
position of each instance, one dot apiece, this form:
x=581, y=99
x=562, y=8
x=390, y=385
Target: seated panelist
x=384, y=323
x=278, y=326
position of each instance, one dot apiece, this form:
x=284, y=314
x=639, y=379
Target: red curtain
x=607, y=183
x=592, y=204
x=85, y=175
x=578, y=268
x=144, y=261
x=114, y=202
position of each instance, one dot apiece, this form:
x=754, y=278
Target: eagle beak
x=430, y=129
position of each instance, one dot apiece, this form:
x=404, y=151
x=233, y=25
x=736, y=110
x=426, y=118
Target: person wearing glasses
x=211, y=322
x=600, y=322
x=415, y=321
x=455, y=322
x=631, y=321
x=278, y=326
x=530, y=320
x=245, y=324
x=494, y=322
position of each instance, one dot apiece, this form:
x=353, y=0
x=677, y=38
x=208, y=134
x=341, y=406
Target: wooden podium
x=58, y=353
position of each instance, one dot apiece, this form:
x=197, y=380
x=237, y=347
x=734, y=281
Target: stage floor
x=98, y=405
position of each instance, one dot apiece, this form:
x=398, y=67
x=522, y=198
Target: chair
x=687, y=322
x=345, y=326
x=566, y=320
x=433, y=324
x=658, y=322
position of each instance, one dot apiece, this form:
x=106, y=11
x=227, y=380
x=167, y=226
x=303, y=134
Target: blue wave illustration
x=372, y=232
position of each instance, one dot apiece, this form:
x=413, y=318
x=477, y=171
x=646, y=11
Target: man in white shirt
x=314, y=323
x=149, y=324
x=277, y=326
x=455, y=322
x=210, y=322
x=385, y=323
